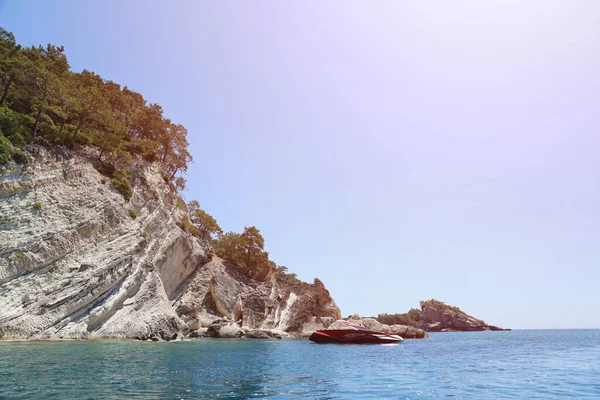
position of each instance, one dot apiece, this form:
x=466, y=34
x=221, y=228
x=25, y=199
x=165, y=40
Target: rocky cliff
x=78, y=261
x=437, y=316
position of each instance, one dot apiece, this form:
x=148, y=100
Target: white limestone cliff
x=82, y=266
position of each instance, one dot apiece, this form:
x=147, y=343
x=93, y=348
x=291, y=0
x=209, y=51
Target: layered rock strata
x=78, y=261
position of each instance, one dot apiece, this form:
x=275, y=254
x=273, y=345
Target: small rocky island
x=434, y=316
x=437, y=316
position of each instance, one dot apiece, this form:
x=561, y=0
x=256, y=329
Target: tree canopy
x=411, y=318
x=199, y=223
x=246, y=250
x=42, y=101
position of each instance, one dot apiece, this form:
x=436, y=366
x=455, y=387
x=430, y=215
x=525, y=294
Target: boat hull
x=353, y=336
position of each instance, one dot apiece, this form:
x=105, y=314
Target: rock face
x=437, y=316
x=82, y=266
x=406, y=332
x=218, y=290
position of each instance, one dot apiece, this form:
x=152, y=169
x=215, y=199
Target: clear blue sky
x=398, y=151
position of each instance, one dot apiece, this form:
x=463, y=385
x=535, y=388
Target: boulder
x=413, y=333
x=230, y=331
x=400, y=330
x=193, y=324
x=198, y=333
x=262, y=334
x=225, y=292
x=339, y=324
x=432, y=326
x=315, y=324
x=374, y=325
x=213, y=330
x=206, y=320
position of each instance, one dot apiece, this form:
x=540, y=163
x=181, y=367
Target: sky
x=398, y=151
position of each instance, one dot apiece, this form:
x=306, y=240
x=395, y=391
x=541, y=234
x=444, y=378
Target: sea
x=527, y=364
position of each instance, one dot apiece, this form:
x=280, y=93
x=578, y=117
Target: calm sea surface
x=495, y=365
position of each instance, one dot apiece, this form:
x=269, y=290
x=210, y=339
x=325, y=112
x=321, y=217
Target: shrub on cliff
x=440, y=304
x=282, y=274
x=122, y=187
x=180, y=203
x=207, y=226
x=246, y=251
x=106, y=169
x=12, y=124
x=5, y=150
x=19, y=156
x=186, y=225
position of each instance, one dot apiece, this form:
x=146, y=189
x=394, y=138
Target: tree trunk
x=77, y=129
x=37, y=122
x=165, y=154
x=5, y=92
x=173, y=174
x=62, y=126
x=128, y=135
x=101, y=153
x=104, y=146
x=39, y=115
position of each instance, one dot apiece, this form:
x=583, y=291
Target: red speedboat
x=354, y=334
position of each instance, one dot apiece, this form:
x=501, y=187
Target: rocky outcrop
x=84, y=263
x=218, y=290
x=406, y=332
x=437, y=316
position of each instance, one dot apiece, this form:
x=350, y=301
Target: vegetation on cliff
x=246, y=250
x=411, y=318
x=43, y=102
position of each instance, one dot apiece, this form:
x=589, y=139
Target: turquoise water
x=507, y=365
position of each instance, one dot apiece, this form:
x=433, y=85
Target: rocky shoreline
x=224, y=328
